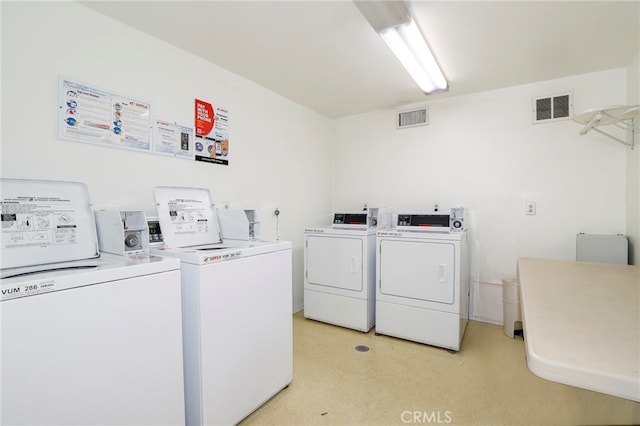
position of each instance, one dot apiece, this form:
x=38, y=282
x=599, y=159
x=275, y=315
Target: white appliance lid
x=187, y=216
x=45, y=222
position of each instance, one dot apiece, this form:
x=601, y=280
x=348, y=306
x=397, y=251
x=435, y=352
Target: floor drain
x=362, y=348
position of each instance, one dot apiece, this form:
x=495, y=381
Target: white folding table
x=581, y=324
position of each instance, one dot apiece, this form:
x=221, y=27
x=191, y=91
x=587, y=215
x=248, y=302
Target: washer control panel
x=155, y=233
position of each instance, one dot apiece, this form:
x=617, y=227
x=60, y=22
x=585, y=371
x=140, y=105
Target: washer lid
x=46, y=222
x=187, y=216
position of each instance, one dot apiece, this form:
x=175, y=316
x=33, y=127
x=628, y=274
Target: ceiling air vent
x=413, y=118
x=553, y=108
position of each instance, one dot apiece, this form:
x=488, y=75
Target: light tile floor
x=399, y=382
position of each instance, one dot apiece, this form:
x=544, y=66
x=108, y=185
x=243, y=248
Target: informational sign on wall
x=93, y=115
x=212, y=133
x=173, y=139
x=89, y=114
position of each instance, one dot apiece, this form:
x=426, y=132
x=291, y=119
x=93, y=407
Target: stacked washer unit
x=339, y=269
x=237, y=309
x=422, y=270
x=87, y=338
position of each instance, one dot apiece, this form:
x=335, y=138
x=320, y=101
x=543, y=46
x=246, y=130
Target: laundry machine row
x=408, y=277
x=162, y=329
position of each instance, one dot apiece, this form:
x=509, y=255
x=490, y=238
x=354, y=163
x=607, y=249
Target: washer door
x=334, y=261
x=423, y=270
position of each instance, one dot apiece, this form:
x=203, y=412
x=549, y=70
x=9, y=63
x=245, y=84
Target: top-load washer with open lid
x=237, y=309
x=87, y=338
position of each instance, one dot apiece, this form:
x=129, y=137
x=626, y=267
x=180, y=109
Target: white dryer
x=339, y=269
x=422, y=291
x=237, y=310
x=87, y=339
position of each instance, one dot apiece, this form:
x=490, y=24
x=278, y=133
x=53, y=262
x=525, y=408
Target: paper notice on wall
x=173, y=139
x=212, y=133
x=89, y=114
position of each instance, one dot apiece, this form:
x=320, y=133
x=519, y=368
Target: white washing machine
x=237, y=310
x=422, y=291
x=87, y=339
x=339, y=269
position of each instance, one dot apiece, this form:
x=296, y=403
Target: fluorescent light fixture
x=411, y=49
x=392, y=20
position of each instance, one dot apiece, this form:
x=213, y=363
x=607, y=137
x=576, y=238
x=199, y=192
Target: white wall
x=278, y=155
x=483, y=152
x=633, y=165
x=480, y=151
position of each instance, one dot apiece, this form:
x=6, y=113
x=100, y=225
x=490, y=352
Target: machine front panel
x=253, y=295
x=334, y=262
x=422, y=270
x=74, y=355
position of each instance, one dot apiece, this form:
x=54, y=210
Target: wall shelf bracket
x=623, y=117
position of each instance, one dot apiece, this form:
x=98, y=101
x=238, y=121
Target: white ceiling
x=326, y=56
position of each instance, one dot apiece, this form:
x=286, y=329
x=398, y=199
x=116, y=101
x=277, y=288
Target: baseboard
x=486, y=302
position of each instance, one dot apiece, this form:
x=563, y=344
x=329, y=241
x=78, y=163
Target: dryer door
x=334, y=261
x=423, y=270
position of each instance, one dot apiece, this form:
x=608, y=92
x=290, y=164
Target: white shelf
x=623, y=116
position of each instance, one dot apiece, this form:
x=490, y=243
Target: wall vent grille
x=413, y=118
x=553, y=108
